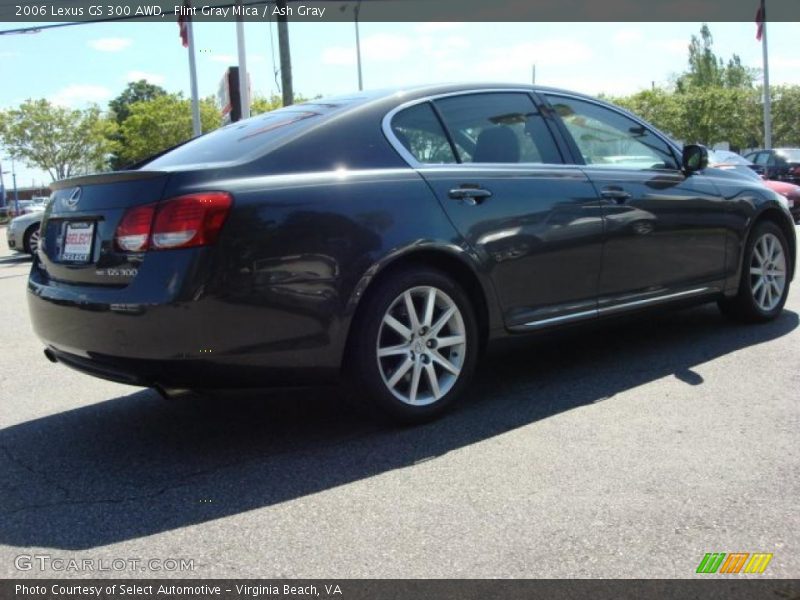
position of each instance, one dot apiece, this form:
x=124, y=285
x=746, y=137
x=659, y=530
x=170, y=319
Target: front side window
x=419, y=131
x=607, y=138
x=498, y=128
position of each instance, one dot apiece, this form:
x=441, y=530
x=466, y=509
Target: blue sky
x=74, y=66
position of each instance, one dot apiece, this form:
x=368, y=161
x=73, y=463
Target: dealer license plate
x=77, y=245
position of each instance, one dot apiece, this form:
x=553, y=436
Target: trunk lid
x=77, y=240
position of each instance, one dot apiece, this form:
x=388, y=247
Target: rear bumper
x=169, y=330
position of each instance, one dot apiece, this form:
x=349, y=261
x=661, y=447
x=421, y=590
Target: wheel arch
x=777, y=216
x=453, y=261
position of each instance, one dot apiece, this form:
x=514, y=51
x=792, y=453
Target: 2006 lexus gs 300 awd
x=381, y=239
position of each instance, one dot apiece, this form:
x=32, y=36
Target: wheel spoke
x=412, y=311
x=436, y=327
x=756, y=271
x=429, y=306
x=778, y=289
x=758, y=285
x=768, y=288
x=397, y=326
x=393, y=350
x=433, y=380
x=445, y=363
x=400, y=372
x=412, y=393
x=450, y=340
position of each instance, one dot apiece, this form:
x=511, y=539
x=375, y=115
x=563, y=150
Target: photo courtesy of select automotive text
x=399, y=299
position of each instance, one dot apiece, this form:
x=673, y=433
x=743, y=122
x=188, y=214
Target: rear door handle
x=618, y=195
x=471, y=195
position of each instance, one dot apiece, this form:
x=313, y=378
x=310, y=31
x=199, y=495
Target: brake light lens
x=182, y=222
x=133, y=232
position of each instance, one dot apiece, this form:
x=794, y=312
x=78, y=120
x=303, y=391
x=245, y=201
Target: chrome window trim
x=386, y=125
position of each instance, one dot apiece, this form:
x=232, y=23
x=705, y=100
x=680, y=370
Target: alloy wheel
x=421, y=345
x=33, y=241
x=767, y=272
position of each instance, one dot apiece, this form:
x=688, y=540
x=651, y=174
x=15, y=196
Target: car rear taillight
x=795, y=170
x=193, y=220
x=182, y=222
x=133, y=232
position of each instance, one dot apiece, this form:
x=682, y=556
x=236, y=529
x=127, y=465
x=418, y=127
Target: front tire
x=764, y=284
x=414, y=346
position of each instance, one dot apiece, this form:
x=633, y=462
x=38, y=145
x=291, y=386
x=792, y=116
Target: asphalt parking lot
x=625, y=451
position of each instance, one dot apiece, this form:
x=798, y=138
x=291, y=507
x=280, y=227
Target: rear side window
x=419, y=131
x=251, y=137
x=498, y=128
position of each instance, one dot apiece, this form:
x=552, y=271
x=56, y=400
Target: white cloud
x=110, y=44
x=378, y=47
x=76, y=95
x=224, y=58
x=149, y=77
x=512, y=62
x=627, y=37
x=676, y=47
x=785, y=62
x=437, y=27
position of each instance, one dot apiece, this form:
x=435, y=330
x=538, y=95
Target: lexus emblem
x=73, y=200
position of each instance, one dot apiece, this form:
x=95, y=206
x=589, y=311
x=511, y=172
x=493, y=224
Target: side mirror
x=695, y=157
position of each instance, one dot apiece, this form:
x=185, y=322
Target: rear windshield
x=255, y=136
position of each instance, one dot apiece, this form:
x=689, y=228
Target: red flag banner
x=183, y=19
x=760, y=18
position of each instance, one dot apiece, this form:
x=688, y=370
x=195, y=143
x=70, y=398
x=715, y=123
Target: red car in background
x=730, y=161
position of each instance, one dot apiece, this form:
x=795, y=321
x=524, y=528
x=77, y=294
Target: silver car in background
x=23, y=232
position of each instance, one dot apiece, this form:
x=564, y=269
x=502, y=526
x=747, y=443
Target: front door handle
x=471, y=195
x=618, y=195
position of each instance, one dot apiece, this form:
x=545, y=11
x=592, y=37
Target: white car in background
x=23, y=232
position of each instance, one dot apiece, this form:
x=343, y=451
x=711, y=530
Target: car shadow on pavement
x=136, y=465
x=15, y=260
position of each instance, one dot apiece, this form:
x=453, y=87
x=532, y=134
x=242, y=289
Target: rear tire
x=414, y=346
x=30, y=242
x=764, y=284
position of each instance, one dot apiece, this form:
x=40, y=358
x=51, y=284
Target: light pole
x=14, y=182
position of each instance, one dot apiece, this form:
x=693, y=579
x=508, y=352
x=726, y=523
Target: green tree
x=120, y=107
x=261, y=104
x=785, y=115
x=62, y=141
x=157, y=124
x=137, y=91
x=707, y=70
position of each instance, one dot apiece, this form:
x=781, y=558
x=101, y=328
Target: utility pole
x=358, y=46
x=533, y=74
x=14, y=183
x=765, y=58
x=285, y=55
x=244, y=88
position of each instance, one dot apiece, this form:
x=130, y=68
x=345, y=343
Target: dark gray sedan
x=382, y=239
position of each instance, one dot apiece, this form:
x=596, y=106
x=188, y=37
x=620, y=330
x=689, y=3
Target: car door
x=496, y=168
x=665, y=230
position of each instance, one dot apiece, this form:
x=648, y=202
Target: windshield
x=253, y=136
